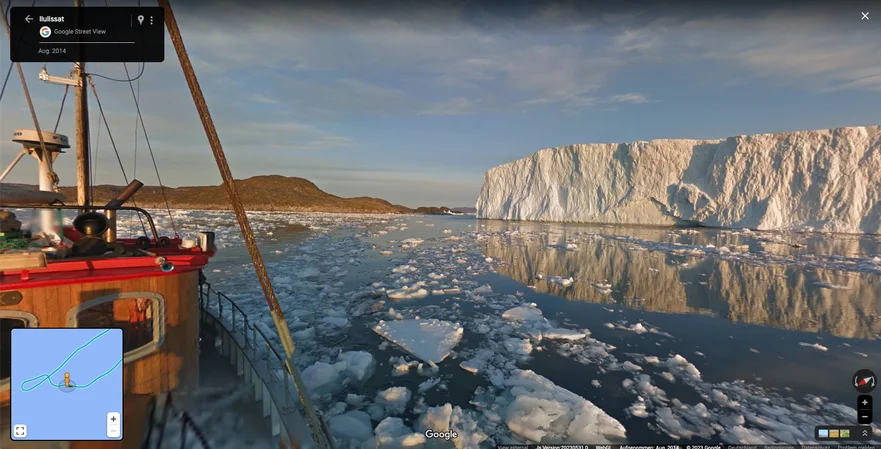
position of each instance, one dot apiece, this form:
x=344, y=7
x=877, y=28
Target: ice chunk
x=428, y=384
x=401, y=269
x=305, y=334
x=309, y=273
x=336, y=321
x=368, y=308
x=632, y=367
x=479, y=361
x=352, y=425
x=359, y=364
x=816, y=346
x=523, y=313
x=436, y=418
x=392, y=433
x=638, y=409
x=544, y=412
x=321, y=377
x=482, y=290
x=677, y=363
x=563, y=334
x=394, y=399
x=446, y=418
x=400, y=366
x=427, y=370
x=429, y=340
x=354, y=399
x=414, y=291
x=518, y=346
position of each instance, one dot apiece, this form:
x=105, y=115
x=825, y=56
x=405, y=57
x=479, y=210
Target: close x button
x=864, y=409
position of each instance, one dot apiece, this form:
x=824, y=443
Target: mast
x=81, y=105
x=319, y=429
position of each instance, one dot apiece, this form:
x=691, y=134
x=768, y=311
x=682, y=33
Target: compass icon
x=864, y=381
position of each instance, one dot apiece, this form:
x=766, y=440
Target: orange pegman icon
x=66, y=380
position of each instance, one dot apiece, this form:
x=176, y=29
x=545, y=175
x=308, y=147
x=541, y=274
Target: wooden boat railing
x=245, y=344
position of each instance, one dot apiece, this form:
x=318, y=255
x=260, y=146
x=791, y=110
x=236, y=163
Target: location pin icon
x=141, y=20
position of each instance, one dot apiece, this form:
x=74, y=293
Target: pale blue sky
x=414, y=105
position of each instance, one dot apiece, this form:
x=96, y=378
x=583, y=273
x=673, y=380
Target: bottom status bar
x=689, y=446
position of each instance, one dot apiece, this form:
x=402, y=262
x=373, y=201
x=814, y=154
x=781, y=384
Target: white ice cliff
x=822, y=180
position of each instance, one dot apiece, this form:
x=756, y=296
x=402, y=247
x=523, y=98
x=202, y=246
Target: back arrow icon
x=28, y=18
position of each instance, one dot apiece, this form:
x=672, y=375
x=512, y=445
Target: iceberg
x=821, y=180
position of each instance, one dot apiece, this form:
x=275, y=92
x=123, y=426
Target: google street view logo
x=45, y=32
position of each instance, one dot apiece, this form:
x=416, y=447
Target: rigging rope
x=95, y=163
x=319, y=430
x=6, y=80
x=113, y=142
x=140, y=74
x=27, y=95
x=140, y=117
x=135, y=173
x=61, y=109
x=9, y=72
x=150, y=148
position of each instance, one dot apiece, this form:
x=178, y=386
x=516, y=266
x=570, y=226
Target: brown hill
x=259, y=193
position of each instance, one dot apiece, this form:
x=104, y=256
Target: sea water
x=692, y=334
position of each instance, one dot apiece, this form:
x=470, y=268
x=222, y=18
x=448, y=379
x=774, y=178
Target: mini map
x=66, y=384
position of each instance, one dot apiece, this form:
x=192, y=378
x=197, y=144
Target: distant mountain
x=259, y=193
x=271, y=193
x=465, y=210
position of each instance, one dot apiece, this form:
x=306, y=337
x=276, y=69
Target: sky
x=413, y=102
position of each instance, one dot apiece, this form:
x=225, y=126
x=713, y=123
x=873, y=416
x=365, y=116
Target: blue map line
x=46, y=377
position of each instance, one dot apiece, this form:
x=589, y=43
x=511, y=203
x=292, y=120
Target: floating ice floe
x=392, y=433
x=478, y=362
x=544, y=412
x=394, y=399
x=447, y=419
x=563, y=334
x=322, y=378
x=411, y=242
x=816, y=346
x=401, y=269
x=428, y=384
x=483, y=290
x=429, y=340
x=354, y=425
x=523, y=313
x=414, y=291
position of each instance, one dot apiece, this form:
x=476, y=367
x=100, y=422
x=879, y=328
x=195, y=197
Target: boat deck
x=222, y=407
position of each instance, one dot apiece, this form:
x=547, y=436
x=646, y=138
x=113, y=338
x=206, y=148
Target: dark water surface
x=777, y=311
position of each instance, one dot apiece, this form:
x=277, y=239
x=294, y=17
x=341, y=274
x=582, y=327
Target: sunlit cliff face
x=772, y=287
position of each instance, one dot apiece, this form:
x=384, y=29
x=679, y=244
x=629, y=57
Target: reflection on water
x=784, y=295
